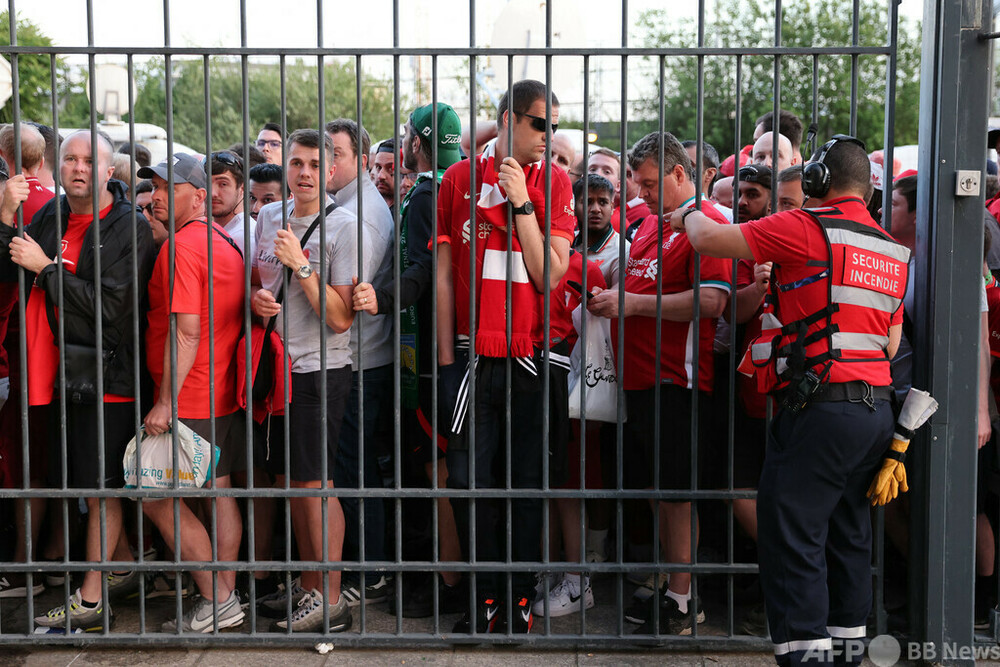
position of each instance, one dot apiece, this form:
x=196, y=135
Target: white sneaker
x=553, y=578
x=566, y=598
x=308, y=616
x=199, y=618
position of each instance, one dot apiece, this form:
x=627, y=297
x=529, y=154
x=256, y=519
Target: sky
x=277, y=24
x=347, y=23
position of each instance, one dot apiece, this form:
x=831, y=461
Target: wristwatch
x=527, y=208
x=303, y=272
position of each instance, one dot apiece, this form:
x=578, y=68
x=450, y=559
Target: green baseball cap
x=449, y=131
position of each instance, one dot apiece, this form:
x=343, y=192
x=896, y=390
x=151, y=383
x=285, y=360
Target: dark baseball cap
x=187, y=169
x=449, y=129
x=992, y=135
x=756, y=173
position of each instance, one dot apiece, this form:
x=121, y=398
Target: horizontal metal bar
x=599, y=641
x=374, y=492
x=466, y=51
x=380, y=566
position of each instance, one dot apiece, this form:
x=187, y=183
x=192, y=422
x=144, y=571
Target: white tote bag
x=596, y=366
x=195, y=454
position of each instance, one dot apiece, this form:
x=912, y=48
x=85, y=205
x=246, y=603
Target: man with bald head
x=65, y=253
x=32, y=161
x=563, y=153
x=764, y=147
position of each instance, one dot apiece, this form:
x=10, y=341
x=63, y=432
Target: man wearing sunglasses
x=510, y=190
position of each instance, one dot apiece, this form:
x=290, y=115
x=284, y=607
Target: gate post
x=953, y=115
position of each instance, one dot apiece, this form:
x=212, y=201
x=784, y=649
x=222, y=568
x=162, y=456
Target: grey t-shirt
x=305, y=328
x=379, y=226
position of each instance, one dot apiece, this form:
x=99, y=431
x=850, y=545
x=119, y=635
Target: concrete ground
x=229, y=649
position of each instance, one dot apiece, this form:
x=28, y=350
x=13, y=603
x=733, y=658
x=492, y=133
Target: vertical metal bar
x=658, y=337
x=695, y=395
x=620, y=361
x=323, y=388
x=285, y=283
x=286, y=422
x=171, y=270
x=547, y=292
x=470, y=421
x=213, y=532
x=397, y=394
x=136, y=339
x=585, y=287
x=730, y=528
x=952, y=122
x=98, y=319
x=509, y=268
x=855, y=37
x=247, y=352
x=435, y=454
x=881, y=616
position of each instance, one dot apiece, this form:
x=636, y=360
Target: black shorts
x=674, y=445
x=305, y=458
x=230, y=437
x=82, y=465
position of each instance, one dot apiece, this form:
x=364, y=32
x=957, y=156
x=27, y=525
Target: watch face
x=304, y=272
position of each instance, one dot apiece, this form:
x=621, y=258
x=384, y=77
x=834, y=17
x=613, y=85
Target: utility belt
x=810, y=389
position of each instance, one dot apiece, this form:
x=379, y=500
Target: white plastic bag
x=599, y=372
x=196, y=456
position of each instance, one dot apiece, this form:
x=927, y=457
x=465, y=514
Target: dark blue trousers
x=814, y=528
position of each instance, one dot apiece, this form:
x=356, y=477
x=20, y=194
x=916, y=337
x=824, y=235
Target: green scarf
x=409, y=329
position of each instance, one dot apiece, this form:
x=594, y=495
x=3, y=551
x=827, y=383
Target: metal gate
x=952, y=112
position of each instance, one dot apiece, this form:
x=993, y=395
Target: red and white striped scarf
x=491, y=214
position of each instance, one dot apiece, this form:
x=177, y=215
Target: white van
x=152, y=137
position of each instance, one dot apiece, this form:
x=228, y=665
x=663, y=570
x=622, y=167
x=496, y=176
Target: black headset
x=816, y=175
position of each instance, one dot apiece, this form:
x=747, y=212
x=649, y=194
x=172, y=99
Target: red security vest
x=851, y=299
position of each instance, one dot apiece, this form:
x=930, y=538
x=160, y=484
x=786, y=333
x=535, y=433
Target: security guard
x=831, y=324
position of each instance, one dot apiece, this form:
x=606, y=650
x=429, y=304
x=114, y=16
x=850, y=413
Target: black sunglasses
x=226, y=158
x=539, y=123
x=147, y=209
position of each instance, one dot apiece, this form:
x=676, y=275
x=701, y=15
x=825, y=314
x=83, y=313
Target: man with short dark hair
x=227, y=196
x=207, y=307
x=265, y=186
x=839, y=283
x=595, y=212
x=60, y=261
x=270, y=141
x=383, y=170
x=789, y=125
x=790, y=195
x=510, y=190
x=142, y=154
x=755, y=192
x=709, y=172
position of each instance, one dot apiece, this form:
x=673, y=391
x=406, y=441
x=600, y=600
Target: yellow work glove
x=891, y=478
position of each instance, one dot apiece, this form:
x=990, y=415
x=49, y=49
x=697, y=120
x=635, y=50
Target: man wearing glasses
x=510, y=186
x=270, y=143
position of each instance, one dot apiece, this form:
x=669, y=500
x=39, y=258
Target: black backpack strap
x=272, y=322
